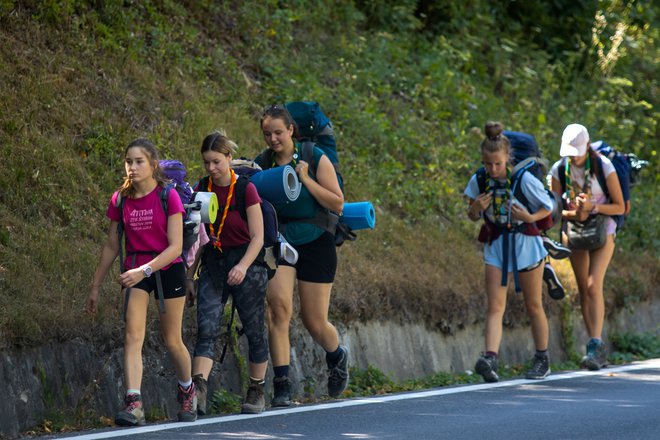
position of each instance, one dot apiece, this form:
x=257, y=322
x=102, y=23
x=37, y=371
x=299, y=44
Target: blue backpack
x=628, y=169
x=526, y=156
x=623, y=171
x=315, y=127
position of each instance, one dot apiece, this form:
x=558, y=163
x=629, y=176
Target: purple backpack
x=175, y=171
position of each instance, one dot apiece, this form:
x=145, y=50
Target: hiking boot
x=187, y=403
x=555, y=250
x=133, y=412
x=540, y=367
x=201, y=388
x=255, y=402
x=486, y=366
x=555, y=289
x=281, y=392
x=338, y=374
x=596, y=357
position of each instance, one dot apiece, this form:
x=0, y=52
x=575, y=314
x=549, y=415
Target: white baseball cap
x=574, y=141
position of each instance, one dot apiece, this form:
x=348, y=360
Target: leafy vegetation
x=635, y=346
x=408, y=85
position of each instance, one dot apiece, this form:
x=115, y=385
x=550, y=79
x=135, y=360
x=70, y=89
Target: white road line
x=123, y=432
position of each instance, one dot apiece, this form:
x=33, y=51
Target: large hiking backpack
x=315, y=127
x=527, y=157
x=315, y=130
x=245, y=168
x=176, y=172
x=525, y=152
x=628, y=168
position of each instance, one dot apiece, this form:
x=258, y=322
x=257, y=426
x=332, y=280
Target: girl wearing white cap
x=579, y=178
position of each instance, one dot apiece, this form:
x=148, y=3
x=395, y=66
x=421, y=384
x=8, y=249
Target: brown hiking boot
x=201, y=388
x=255, y=401
x=133, y=412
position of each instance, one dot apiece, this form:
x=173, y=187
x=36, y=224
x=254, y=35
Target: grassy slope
x=79, y=83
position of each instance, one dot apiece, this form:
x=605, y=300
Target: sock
x=596, y=340
x=132, y=391
x=257, y=381
x=542, y=353
x=491, y=354
x=333, y=357
x=185, y=385
x=281, y=371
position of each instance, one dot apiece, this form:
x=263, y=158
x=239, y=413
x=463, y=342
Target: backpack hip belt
x=324, y=219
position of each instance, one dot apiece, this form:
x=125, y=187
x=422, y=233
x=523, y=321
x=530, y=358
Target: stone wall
x=41, y=381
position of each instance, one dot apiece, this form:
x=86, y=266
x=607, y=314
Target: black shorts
x=317, y=260
x=173, y=280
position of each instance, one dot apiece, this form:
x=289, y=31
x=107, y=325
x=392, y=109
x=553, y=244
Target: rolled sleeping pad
x=209, y=205
x=359, y=215
x=277, y=185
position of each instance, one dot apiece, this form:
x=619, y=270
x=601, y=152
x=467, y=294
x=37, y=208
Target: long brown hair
x=127, y=189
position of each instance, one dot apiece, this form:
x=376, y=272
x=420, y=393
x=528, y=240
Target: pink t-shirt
x=145, y=225
x=235, y=232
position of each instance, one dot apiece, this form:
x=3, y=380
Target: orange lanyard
x=216, y=239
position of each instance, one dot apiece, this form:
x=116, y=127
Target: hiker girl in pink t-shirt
x=153, y=262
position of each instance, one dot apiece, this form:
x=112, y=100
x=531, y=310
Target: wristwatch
x=146, y=270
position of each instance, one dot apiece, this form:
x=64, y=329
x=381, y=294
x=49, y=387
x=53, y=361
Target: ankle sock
x=491, y=354
x=257, y=381
x=132, y=391
x=281, y=371
x=542, y=353
x=333, y=357
x=185, y=385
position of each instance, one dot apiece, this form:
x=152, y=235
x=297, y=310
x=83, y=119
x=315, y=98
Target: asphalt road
x=616, y=403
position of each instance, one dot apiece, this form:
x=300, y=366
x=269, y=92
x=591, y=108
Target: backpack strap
x=241, y=186
x=120, y=230
x=516, y=187
x=265, y=159
x=600, y=176
x=561, y=175
x=165, y=195
x=481, y=179
x=307, y=154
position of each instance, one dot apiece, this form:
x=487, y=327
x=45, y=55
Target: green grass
x=80, y=79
